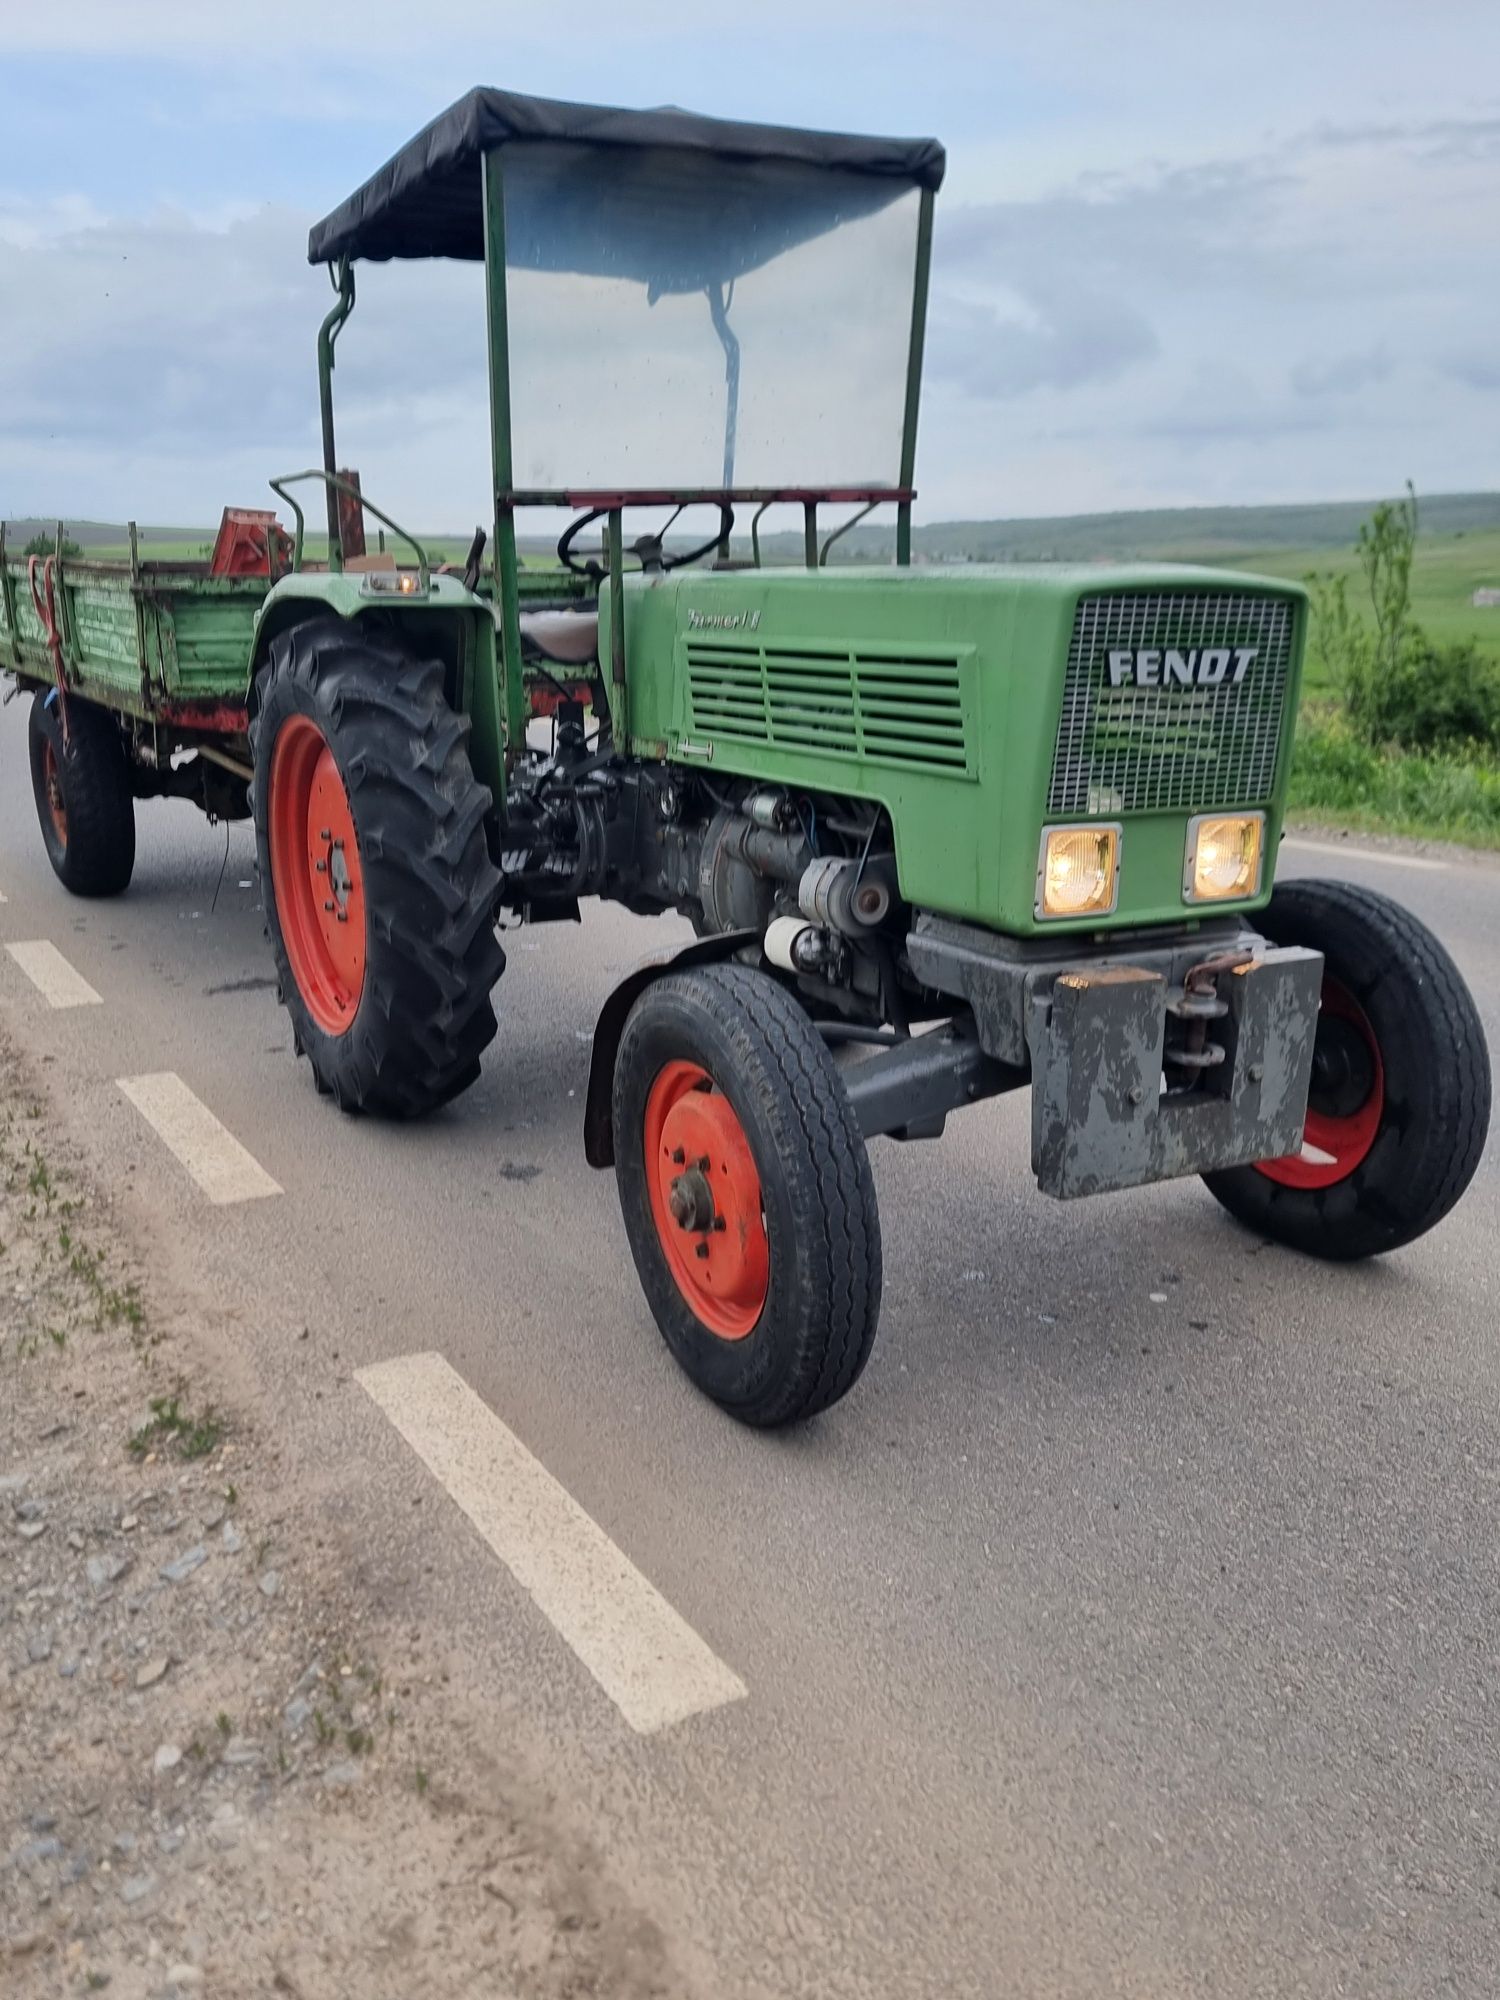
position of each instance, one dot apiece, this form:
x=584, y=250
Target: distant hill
x=1158, y=534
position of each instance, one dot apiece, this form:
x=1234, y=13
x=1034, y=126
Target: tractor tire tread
x=1381, y=1206
x=98, y=857
x=430, y=886
x=785, y=1064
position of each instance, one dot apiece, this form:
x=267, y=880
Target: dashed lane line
x=59, y=983
x=1347, y=853
x=649, y=1661
x=185, y=1125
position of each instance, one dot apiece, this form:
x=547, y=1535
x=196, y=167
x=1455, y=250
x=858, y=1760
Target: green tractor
x=942, y=831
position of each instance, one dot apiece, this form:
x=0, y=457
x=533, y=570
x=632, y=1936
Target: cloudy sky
x=1185, y=252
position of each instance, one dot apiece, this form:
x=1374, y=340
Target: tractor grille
x=1147, y=749
x=904, y=707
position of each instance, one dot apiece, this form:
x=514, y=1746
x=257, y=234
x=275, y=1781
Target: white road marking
x=52, y=976
x=213, y=1156
x=645, y=1656
x=2, y=895
x=1347, y=853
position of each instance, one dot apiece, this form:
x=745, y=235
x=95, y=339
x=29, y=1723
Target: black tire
x=90, y=835
x=1436, y=1070
x=822, y=1301
x=431, y=954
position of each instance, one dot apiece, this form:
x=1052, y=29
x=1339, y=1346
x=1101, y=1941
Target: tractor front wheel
x=378, y=886
x=1400, y=1098
x=83, y=797
x=747, y=1194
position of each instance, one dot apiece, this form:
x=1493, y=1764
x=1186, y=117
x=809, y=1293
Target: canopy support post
x=512, y=685
x=914, y=373
x=342, y=275
x=619, y=710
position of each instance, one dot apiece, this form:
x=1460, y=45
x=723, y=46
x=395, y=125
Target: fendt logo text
x=1192, y=666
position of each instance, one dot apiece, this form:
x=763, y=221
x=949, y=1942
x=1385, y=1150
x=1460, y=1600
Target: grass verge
x=1341, y=781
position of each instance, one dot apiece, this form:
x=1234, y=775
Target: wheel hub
x=1343, y=1071
x=1345, y=1099
x=56, y=805
x=691, y=1200
x=316, y=874
x=706, y=1200
x=339, y=877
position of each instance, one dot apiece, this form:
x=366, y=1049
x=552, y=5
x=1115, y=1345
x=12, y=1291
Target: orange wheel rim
x=52, y=785
x=316, y=875
x=706, y=1200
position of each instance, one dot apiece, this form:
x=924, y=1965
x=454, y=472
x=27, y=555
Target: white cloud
x=1169, y=282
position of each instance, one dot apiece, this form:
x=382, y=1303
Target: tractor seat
x=569, y=637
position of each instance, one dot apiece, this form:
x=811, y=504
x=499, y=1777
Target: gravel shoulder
x=225, y=1765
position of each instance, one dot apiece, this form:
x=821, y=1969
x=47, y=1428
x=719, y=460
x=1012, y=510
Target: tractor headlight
x=1079, y=871
x=1224, y=854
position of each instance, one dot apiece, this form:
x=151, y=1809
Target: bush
x=46, y=545
x=1397, y=685
x=1430, y=697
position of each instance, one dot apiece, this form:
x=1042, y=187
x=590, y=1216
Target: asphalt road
x=1099, y=1642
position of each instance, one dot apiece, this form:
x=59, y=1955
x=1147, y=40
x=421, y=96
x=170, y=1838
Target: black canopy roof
x=428, y=200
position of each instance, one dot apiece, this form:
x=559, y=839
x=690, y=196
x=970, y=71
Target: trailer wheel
x=747, y=1194
x=83, y=797
x=1400, y=1098
x=379, y=890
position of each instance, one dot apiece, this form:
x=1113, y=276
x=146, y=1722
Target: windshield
x=745, y=324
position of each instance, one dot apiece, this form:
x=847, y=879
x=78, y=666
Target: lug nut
x=701, y=1249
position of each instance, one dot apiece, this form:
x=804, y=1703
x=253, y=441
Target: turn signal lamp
x=1079, y=872
x=1224, y=855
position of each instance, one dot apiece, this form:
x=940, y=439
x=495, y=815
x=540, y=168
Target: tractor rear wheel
x=1400, y=1098
x=378, y=886
x=83, y=797
x=747, y=1194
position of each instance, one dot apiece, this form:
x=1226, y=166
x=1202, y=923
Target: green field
x=1335, y=780
x=1448, y=569
x=1458, y=548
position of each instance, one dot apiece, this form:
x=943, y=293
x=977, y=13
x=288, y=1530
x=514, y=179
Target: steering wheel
x=647, y=549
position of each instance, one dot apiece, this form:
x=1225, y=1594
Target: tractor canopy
x=676, y=303
x=785, y=187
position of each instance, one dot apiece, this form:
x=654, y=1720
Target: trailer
x=942, y=832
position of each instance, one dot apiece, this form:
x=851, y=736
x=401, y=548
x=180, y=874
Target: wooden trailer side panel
x=134, y=640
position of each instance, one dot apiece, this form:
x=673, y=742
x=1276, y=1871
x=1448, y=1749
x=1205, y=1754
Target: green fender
x=446, y=619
